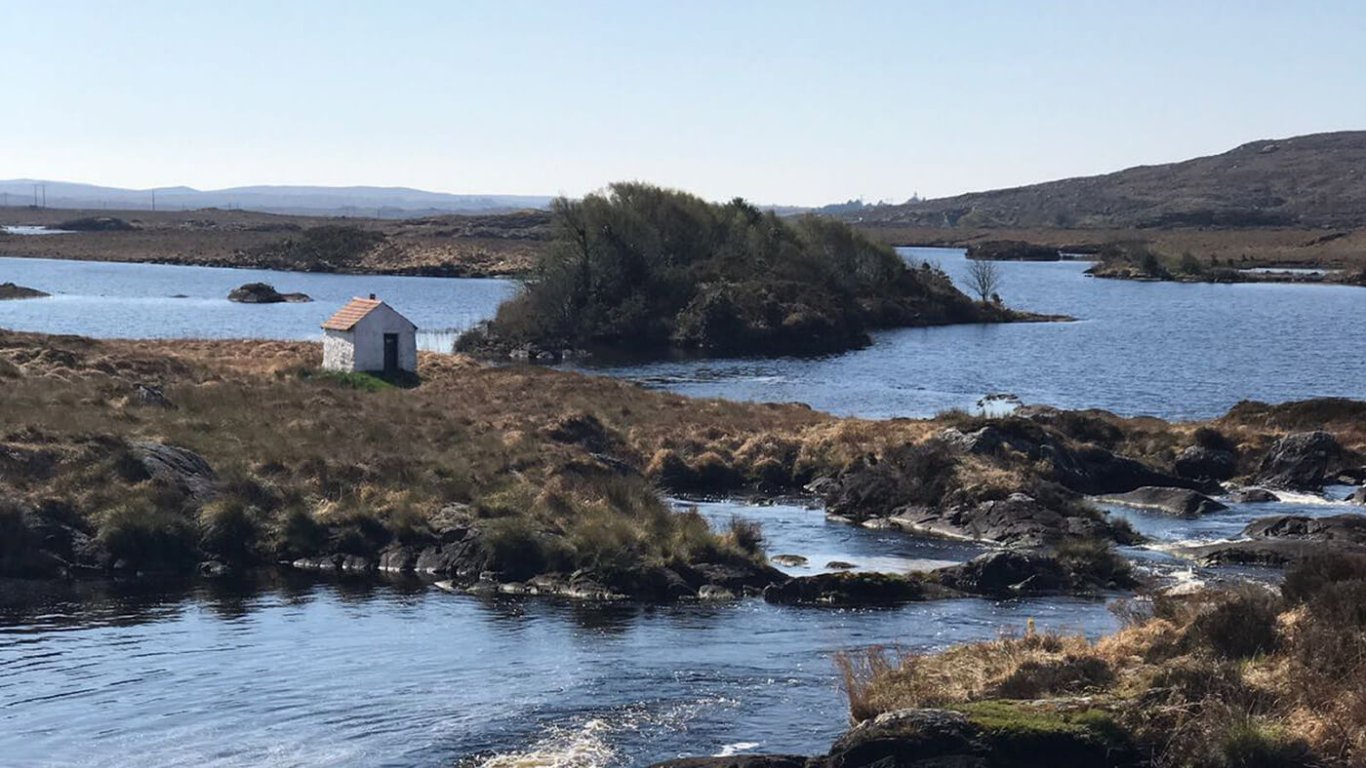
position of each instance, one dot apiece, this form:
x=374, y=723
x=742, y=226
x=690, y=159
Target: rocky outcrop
x=1275, y=553
x=1181, y=502
x=1341, y=529
x=178, y=468
x=1014, y=734
x=146, y=394
x=1254, y=496
x=1301, y=462
x=11, y=291
x=42, y=542
x=1012, y=574
x=848, y=589
x=1082, y=468
x=1199, y=462
x=1018, y=520
x=264, y=293
x=992, y=734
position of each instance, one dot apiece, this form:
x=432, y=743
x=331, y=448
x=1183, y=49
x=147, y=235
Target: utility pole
x=44, y=195
x=154, y=199
x=35, y=195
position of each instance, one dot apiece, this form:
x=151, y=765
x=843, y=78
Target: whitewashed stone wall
x=339, y=351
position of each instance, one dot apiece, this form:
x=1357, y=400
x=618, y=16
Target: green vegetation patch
x=1012, y=726
x=645, y=270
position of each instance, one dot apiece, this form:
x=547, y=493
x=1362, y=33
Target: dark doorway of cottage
x=391, y=353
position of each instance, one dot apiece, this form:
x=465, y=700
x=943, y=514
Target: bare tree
x=984, y=278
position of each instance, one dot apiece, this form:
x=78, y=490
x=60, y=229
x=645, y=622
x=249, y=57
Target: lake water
x=140, y=301
x=302, y=672
x=298, y=671
x=1174, y=350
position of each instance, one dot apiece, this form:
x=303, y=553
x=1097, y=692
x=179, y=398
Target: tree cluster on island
x=646, y=270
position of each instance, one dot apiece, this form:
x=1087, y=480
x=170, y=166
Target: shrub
x=518, y=550
x=1073, y=674
x=294, y=533
x=746, y=535
x=325, y=248
x=1095, y=560
x=148, y=537
x=1214, y=440
x=1237, y=624
x=1309, y=577
x=1248, y=743
x=227, y=528
x=644, y=268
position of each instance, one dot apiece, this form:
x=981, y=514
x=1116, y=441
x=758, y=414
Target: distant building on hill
x=368, y=335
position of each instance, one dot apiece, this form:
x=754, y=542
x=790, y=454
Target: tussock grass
x=1243, y=677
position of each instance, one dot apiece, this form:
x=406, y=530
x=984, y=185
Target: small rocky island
x=651, y=272
x=12, y=291
x=265, y=293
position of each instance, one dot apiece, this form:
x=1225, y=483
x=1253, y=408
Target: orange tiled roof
x=347, y=317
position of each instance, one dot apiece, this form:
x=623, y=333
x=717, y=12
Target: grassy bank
x=156, y=455
x=1246, y=677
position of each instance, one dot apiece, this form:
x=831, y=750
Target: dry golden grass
x=879, y=680
x=1243, y=677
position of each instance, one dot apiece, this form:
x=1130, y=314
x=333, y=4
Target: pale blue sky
x=780, y=102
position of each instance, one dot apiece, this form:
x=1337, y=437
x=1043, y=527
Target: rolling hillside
x=380, y=202
x=1314, y=180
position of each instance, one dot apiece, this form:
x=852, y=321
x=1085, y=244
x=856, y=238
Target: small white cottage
x=368, y=335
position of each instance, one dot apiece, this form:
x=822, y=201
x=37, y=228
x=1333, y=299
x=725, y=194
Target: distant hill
x=1314, y=180
x=379, y=202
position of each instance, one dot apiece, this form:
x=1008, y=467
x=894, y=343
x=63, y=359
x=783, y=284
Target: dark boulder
x=146, y=394
x=1301, y=462
x=1202, y=463
x=264, y=293
x=1342, y=529
x=178, y=468
x=1017, y=520
x=1254, y=496
x=459, y=554
x=992, y=735
x=1275, y=553
x=12, y=291
x=907, y=738
x=1004, y=574
x=1358, y=496
x=1352, y=476
x=1083, y=468
x=846, y=589
x=1181, y=502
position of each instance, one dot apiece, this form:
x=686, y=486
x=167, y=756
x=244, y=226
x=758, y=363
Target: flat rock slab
x=1181, y=502
x=1346, y=528
x=12, y=291
x=1276, y=553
